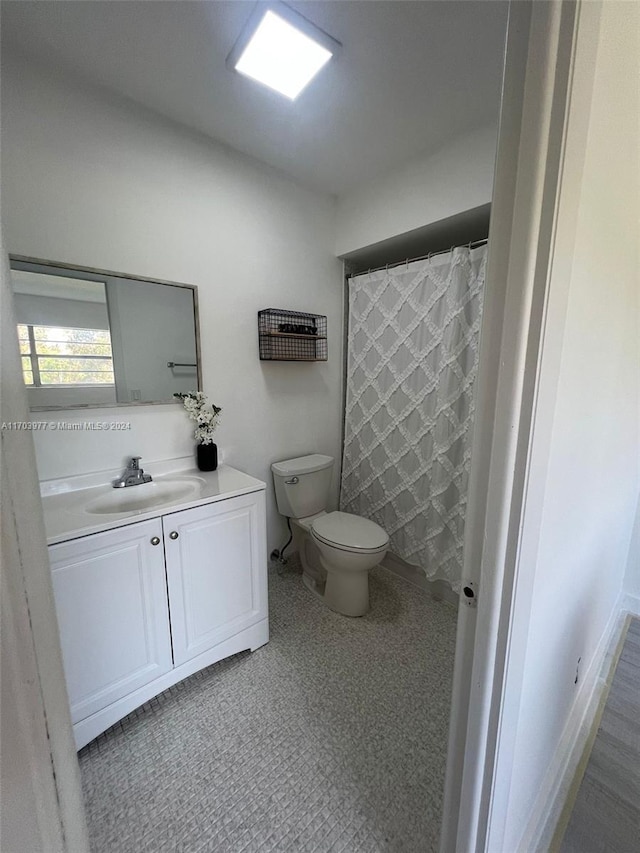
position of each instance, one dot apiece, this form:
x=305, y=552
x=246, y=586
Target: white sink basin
x=145, y=496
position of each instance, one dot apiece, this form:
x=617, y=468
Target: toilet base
x=313, y=585
x=349, y=599
x=347, y=592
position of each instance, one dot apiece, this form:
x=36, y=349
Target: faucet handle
x=135, y=462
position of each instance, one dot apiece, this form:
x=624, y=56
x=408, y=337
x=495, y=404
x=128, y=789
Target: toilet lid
x=349, y=531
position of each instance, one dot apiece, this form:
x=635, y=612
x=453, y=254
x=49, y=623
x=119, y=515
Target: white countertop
x=64, y=501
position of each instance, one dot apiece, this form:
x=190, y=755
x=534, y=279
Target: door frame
x=536, y=194
x=42, y=804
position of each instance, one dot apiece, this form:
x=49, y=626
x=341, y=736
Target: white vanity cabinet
x=113, y=616
x=217, y=585
x=144, y=605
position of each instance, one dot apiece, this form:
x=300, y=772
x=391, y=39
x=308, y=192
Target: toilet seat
x=349, y=532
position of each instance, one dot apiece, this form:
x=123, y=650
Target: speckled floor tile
x=330, y=739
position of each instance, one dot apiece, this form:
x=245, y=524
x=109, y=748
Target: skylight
x=284, y=51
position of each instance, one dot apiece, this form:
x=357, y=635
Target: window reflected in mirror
x=54, y=355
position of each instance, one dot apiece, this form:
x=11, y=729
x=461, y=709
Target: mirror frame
x=23, y=259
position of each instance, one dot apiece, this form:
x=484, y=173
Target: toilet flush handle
x=292, y=481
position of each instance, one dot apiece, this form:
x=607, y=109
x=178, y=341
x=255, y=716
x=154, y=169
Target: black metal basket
x=291, y=335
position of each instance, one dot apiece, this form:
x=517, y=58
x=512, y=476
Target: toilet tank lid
x=302, y=465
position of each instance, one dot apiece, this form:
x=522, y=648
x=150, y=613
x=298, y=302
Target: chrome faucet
x=133, y=475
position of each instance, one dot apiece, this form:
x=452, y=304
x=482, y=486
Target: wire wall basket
x=291, y=335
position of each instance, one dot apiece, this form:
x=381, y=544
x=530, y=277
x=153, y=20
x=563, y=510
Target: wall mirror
x=95, y=338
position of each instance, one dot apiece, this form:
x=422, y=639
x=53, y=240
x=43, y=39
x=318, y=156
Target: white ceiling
x=411, y=75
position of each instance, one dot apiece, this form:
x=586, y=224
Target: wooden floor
x=606, y=814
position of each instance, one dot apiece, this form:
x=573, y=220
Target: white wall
x=457, y=178
x=96, y=181
x=632, y=575
x=592, y=465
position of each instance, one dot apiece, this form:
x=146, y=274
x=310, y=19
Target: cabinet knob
x=155, y=540
x=173, y=534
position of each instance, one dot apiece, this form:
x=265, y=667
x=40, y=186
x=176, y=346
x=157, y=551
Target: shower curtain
x=411, y=365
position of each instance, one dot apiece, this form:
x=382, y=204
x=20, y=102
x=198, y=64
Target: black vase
x=207, y=456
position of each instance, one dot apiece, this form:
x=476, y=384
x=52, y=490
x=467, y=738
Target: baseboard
x=545, y=828
x=631, y=603
x=439, y=589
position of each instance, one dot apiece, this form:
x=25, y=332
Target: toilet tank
x=302, y=484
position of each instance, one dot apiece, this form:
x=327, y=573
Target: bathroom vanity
x=153, y=583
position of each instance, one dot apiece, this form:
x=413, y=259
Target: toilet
x=337, y=549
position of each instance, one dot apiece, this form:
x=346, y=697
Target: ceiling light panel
x=281, y=50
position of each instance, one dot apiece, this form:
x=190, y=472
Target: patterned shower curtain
x=411, y=366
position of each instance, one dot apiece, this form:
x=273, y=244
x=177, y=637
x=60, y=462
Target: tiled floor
x=606, y=814
x=330, y=738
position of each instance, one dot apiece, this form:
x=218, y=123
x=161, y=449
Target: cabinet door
x=111, y=600
x=216, y=572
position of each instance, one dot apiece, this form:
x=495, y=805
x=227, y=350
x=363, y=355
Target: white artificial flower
x=207, y=419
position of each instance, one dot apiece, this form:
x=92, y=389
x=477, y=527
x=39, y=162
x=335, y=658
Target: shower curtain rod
x=470, y=245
